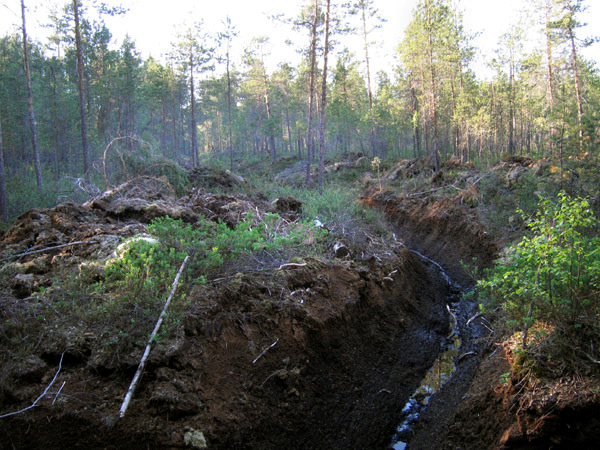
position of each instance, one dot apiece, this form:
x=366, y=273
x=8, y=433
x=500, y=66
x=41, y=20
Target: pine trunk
x=323, y=100
x=82, y=112
x=3, y=196
x=34, y=144
x=311, y=90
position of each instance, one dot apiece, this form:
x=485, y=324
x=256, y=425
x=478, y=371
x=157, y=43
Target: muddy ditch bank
x=318, y=356
x=442, y=230
x=443, y=233
x=486, y=403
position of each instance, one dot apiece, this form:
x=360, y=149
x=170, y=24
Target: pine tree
x=194, y=56
x=32, y=125
x=3, y=196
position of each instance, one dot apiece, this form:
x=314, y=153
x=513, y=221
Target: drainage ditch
x=430, y=400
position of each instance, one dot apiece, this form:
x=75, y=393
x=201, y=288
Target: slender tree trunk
x=511, y=111
x=549, y=57
x=434, y=112
x=163, y=129
x=368, y=67
x=34, y=144
x=193, y=113
x=82, y=112
x=289, y=129
x=3, y=196
x=323, y=99
x=230, y=137
x=268, y=109
x=55, y=124
x=311, y=89
x=415, y=111
x=578, y=97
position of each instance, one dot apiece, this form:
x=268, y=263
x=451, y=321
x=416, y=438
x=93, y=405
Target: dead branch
x=118, y=138
x=54, y=247
x=464, y=355
x=452, y=314
x=106, y=194
x=265, y=351
x=475, y=317
x=58, y=393
x=140, y=369
x=284, y=266
x=34, y=404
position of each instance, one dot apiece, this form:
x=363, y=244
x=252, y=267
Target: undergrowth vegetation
x=553, y=274
x=148, y=265
x=142, y=274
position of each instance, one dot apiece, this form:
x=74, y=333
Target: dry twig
x=34, y=404
x=265, y=350
x=54, y=247
x=284, y=266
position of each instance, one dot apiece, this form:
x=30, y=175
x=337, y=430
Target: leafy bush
x=148, y=265
x=554, y=274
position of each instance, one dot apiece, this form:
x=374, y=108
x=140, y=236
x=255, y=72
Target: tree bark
x=363, y=7
x=574, y=62
x=549, y=57
x=84, y=137
x=34, y=144
x=311, y=89
x=323, y=100
x=3, y=196
x=230, y=124
x=194, y=130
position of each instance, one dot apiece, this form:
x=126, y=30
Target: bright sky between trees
x=153, y=24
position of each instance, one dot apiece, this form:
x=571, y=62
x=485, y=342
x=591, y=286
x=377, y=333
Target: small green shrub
x=149, y=265
x=553, y=274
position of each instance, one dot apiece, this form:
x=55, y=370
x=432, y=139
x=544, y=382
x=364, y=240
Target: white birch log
x=142, y=364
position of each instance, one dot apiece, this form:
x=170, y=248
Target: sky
x=154, y=24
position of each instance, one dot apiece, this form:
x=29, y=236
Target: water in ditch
x=441, y=371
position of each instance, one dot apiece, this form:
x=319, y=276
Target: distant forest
x=77, y=116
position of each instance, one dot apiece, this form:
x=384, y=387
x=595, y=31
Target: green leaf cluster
x=554, y=273
x=148, y=266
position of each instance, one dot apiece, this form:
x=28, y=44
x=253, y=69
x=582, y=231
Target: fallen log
x=142, y=364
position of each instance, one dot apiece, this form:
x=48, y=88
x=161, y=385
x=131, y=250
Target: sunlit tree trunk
x=82, y=102
x=193, y=110
x=311, y=89
x=574, y=63
x=323, y=99
x=34, y=143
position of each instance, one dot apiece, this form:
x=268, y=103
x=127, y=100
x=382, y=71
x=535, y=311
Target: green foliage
x=555, y=271
x=337, y=206
x=148, y=265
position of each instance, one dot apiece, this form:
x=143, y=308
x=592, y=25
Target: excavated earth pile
x=277, y=353
x=321, y=354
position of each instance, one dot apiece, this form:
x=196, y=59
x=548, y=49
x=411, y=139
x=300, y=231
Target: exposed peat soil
x=320, y=355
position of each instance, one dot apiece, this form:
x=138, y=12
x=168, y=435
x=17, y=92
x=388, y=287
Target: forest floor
x=313, y=351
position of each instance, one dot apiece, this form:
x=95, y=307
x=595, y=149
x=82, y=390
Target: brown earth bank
x=318, y=354
x=315, y=354
x=440, y=229
x=349, y=350
x=490, y=403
